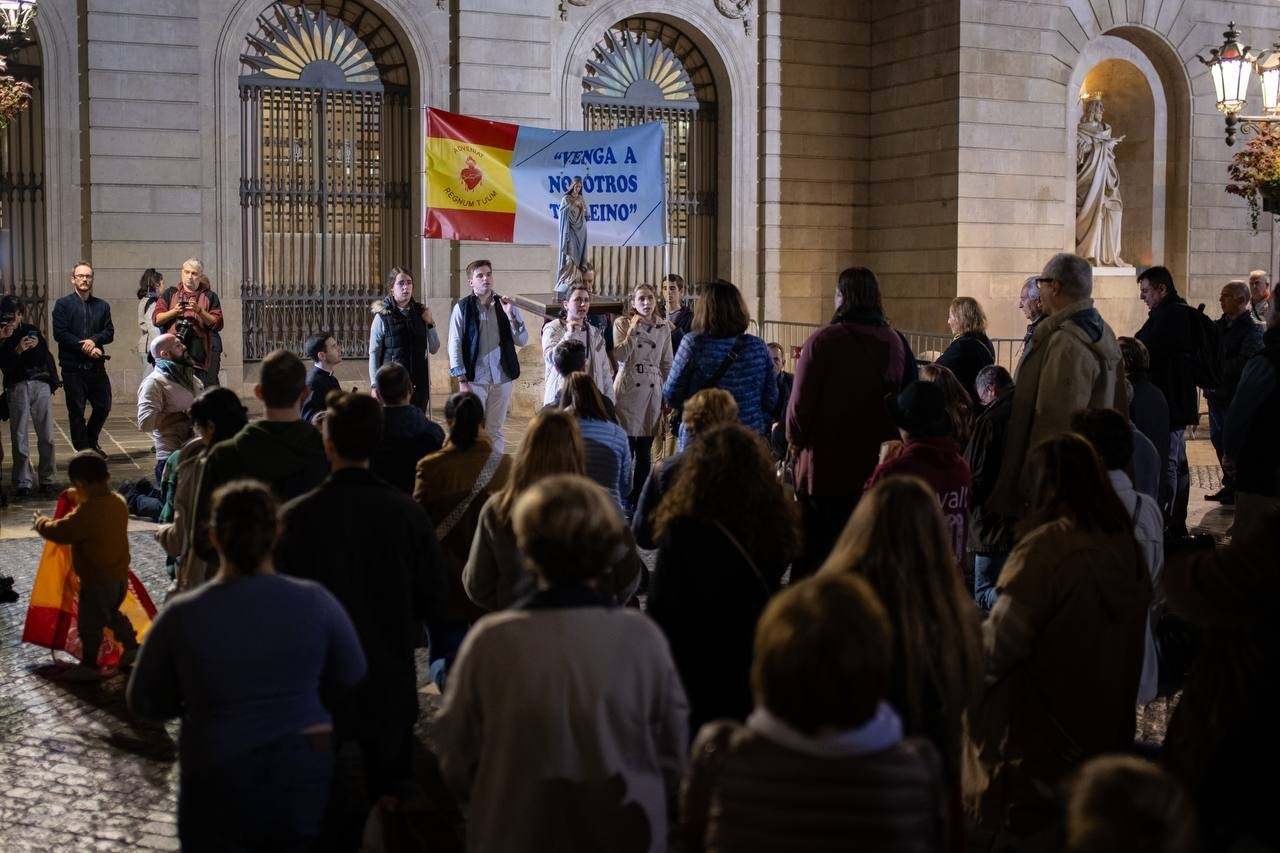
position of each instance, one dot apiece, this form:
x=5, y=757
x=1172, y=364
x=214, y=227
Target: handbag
x=445, y=527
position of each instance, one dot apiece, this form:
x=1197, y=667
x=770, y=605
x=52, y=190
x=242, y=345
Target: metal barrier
x=793, y=335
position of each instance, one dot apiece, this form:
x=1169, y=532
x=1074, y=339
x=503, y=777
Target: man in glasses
x=82, y=328
x=1072, y=362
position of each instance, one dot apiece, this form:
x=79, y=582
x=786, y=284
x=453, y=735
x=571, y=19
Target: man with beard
x=193, y=312
x=165, y=397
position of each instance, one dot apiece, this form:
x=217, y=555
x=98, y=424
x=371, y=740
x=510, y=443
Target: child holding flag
x=97, y=531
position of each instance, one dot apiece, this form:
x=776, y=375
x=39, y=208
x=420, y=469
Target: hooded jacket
x=404, y=337
x=286, y=455
x=1073, y=363
x=938, y=462
x=205, y=354
x=164, y=404
x=1064, y=646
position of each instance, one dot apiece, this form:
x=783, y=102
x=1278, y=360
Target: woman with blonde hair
x=970, y=349
x=642, y=344
x=897, y=539
x=494, y=576
x=959, y=404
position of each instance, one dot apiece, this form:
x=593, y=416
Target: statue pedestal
x=1130, y=273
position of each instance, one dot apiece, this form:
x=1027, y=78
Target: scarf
x=181, y=372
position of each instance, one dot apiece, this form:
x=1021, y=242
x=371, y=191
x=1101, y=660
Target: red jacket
x=938, y=462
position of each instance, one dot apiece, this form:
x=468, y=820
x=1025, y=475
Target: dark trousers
x=824, y=519
x=642, y=457
x=986, y=571
x=271, y=797
x=1217, y=421
x=86, y=386
x=1175, y=486
x=98, y=609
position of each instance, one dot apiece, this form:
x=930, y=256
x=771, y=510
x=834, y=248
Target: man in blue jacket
x=82, y=328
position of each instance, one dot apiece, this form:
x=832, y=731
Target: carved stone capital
x=738, y=10
x=564, y=10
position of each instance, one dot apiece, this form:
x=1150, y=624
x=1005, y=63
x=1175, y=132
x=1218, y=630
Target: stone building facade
x=931, y=140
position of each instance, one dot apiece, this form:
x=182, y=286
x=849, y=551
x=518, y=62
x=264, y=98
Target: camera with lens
x=185, y=330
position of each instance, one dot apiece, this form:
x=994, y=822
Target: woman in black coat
x=725, y=536
x=971, y=349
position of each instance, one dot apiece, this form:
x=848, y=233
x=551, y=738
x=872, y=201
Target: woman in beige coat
x=642, y=343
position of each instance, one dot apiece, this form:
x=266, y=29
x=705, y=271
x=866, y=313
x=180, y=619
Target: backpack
x=1205, y=357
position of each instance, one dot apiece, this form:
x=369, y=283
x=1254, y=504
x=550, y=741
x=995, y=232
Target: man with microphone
x=482, y=347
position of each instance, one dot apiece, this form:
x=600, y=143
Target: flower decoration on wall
x=1255, y=175
x=15, y=96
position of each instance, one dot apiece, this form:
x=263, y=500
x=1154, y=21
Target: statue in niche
x=1098, y=204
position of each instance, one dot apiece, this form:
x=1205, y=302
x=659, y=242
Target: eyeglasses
x=82, y=275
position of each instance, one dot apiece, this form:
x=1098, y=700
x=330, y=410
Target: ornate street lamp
x=1230, y=67
x=16, y=18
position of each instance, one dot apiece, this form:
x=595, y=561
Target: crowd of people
x=707, y=604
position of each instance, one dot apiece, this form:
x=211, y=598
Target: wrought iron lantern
x=1231, y=66
x=16, y=20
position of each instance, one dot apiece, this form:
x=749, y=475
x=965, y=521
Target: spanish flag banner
x=490, y=180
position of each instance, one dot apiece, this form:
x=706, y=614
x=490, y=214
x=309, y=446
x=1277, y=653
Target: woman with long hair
x=642, y=343
x=837, y=418
x=726, y=533
x=1064, y=642
x=898, y=540
x=495, y=577
x=719, y=353
x=608, y=453
x=216, y=415
x=150, y=286
x=403, y=331
x=255, y=755
x=959, y=404
x=970, y=350
x=452, y=485
x=572, y=324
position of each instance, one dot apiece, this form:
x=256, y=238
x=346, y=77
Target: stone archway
x=1148, y=99
x=730, y=54
x=223, y=239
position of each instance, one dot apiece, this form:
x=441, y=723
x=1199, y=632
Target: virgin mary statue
x=572, y=238
x=1098, y=205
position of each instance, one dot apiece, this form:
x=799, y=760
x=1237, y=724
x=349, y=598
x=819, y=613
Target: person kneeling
x=821, y=763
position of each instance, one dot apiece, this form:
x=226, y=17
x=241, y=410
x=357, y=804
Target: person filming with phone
x=30, y=378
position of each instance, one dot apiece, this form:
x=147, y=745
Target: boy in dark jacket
x=407, y=433
x=325, y=355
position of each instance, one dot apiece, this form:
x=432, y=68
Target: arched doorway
x=327, y=121
x=22, y=195
x=647, y=70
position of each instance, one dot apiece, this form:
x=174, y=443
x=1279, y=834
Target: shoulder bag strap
x=738, y=346
x=445, y=527
x=743, y=552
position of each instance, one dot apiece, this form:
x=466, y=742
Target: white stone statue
x=572, y=237
x=1098, y=204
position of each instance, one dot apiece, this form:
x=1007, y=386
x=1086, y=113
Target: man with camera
x=82, y=327
x=192, y=312
x=30, y=378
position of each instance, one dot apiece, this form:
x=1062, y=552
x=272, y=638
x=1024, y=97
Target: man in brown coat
x=1073, y=362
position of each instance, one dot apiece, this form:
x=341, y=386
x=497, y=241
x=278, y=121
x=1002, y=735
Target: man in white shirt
x=482, y=347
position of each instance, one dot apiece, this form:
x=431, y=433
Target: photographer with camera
x=193, y=312
x=30, y=378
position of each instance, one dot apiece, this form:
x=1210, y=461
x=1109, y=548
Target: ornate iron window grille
x=325, y=189
x=645, y=70
x=22, y=200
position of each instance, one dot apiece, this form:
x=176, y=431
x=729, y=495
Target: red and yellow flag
x=470, y=192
